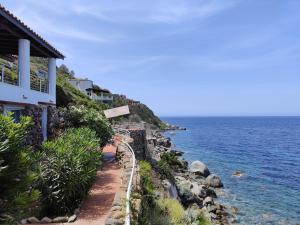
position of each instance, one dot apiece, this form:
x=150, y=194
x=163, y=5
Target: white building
x=93, y=91
x=18, y=39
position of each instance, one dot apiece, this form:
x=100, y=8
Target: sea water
x=267, y=152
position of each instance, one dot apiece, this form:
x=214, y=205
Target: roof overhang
x=12, y=29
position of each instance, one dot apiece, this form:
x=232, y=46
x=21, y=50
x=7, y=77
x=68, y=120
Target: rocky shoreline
x=193, y=185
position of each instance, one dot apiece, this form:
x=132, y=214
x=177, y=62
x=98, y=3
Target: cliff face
x=139, y=112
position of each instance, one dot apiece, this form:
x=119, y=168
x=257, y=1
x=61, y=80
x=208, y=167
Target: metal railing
x=125, y=132
x=38, y=84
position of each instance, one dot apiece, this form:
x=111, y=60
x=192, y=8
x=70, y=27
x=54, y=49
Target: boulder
x=184, y=190
x=213, y=181
x=205, y=192
x=208, y=201
x=199, y=168
x=177, y=152
x=169, y=189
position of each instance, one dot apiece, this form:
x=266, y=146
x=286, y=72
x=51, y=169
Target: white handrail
x=127, y=218
x=128, y=193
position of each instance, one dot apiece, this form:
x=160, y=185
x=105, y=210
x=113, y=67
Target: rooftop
x=12, y=29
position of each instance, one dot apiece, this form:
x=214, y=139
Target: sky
x=180, y=57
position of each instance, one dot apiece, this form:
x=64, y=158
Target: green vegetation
x=79, y=116
x=18, y=193
x=168, y=161
x=68, y=169
x=139, y=113
x=164, y=211
x=68, y=95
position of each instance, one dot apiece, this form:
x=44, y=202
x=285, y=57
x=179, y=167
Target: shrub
x=68, y=169
x=173, y=210
x=167, y=162
x=17, y=172
x=77, y=116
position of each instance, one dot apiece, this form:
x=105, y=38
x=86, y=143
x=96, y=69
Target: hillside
x=68, y=95
x=139, y=111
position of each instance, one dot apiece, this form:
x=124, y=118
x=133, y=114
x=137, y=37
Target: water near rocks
x=257, y=158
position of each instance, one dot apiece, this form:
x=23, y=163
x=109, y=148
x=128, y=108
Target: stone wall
x=139, y=143
x=55, y=122
x=34, y=137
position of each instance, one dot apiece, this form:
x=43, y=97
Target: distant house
x=22, y=92
x=93, y=91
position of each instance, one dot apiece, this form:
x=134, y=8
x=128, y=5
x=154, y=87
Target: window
x=16, y=112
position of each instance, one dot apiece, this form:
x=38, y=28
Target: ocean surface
x=266, y=149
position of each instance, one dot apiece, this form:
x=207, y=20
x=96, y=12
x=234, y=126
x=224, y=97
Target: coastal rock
x=208, y=201
x=205, y=192
x=214, y=181
x=184, y=190
x=170, y=189
x=199, y=168
x=177, y=152
x=238, y=173
x=234, y=209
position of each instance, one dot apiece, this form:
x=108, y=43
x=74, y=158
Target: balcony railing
x=38, y=83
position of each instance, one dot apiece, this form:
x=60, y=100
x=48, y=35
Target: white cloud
x=168, y=11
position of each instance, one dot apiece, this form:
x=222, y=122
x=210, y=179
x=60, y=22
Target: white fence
x=125, y=133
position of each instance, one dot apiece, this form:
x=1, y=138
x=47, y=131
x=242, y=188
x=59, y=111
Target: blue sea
x=266, y=149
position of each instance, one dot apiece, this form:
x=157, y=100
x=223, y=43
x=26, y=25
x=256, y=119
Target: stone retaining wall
x=139, y=144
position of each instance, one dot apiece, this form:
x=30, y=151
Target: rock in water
x=199, y=168
x=213, y=181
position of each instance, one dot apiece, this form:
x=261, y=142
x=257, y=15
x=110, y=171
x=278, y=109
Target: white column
x=52, y=76
x=24, y=63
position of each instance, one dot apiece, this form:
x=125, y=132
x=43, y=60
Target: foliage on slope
x=139, y=112
x=18, y=173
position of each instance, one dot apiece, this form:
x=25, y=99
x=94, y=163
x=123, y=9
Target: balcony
x=102, y=98
x=39, y=82
x=9, y=75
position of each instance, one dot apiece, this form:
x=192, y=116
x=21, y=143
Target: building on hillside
x=23, y=91
x=93, y=91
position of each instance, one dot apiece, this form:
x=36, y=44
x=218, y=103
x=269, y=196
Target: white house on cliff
x=93, y=91
x=21, y=94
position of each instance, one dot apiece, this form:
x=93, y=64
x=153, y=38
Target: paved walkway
x=97, y=205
